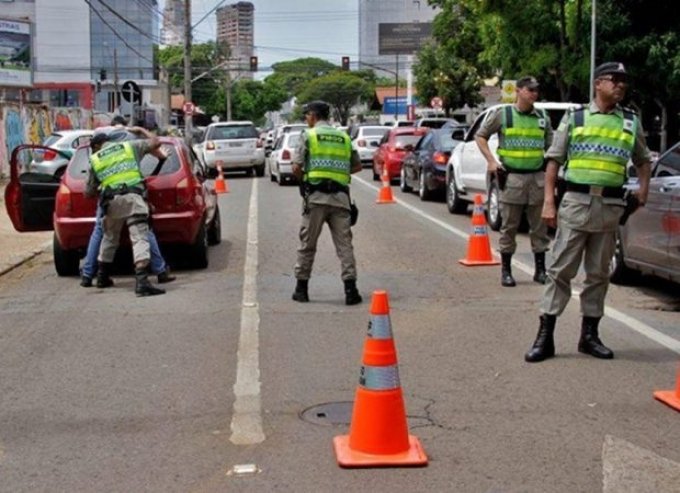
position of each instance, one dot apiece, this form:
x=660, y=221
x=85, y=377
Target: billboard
x=404, y=38
x=397, y=105
x=15, y=53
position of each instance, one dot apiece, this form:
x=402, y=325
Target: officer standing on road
x=114, y=168
x=323, y=163
x=524, y=135
x=594, y=144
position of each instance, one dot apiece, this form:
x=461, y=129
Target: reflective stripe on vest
x=116, y=165
x=522, y=140
x=330, y=151
x=600, y=146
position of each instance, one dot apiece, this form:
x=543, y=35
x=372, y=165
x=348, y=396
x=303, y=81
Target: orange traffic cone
x=378, y=434
x=220, y=183
x=385, y=193
x=479, y=249
x=670, y=397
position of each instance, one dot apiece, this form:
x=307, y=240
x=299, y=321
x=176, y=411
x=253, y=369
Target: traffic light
x=345, y=63
x=253, y=64
x=102, y=74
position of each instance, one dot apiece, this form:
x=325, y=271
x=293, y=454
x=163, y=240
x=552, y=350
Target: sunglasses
x=615, y=79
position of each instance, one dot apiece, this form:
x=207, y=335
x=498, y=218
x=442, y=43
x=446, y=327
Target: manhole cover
x=330, y=413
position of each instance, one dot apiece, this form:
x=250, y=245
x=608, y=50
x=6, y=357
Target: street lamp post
x=593, y=32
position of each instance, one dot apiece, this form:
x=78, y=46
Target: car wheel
x=423, y=191
x=454, y=203
x=402, y=181
x=259, y=170
x=619, y=272
x=215, y=229
x=198, y=250
x=66, y=262
x=493, y=207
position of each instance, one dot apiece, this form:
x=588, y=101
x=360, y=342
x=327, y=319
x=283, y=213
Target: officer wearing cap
x=524, y=135
x=594, y=144
x=114, y=171
x=323, y=163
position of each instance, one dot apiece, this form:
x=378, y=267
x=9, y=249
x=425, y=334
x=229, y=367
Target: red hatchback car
x=392, y=149
x=184, y=205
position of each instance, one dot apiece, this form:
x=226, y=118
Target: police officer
x=323, y=163
x=524, y=135
x=114, y=169
x=594, y=144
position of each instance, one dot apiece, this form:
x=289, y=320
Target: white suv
x=366, y=140
x=236, y=145
x=466, y=171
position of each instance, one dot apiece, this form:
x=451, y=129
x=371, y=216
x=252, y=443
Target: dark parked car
x=649, y=243
x=184, y=203
x=424, y=168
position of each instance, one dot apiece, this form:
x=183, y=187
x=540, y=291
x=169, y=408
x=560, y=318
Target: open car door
x=29, y=197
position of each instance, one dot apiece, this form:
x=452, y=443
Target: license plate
x=235, y=144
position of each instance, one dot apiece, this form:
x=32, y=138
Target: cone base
x=385, y=201
x=414, y=456
x=472, y=263
x=668, y=397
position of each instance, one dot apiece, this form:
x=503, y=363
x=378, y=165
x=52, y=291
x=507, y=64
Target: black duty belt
x=523, y=171
x=327, y=186
x=609, y=192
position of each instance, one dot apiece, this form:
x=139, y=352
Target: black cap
x=321, y=108
x=609, y=68
x=527, y=81
x=98, y=139
x=118, y=120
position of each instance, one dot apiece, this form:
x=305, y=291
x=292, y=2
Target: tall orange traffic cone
x=385, y=193
x=220, y=183
x=378, y=434
x=670, y=397
x=479, y=248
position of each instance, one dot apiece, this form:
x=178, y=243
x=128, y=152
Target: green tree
x=293, y=75
x=341, y=90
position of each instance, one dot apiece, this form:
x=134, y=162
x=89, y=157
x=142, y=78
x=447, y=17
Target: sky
x=289, y=29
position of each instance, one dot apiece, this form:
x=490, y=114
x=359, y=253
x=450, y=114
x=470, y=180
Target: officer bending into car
x=524, y=135
x=594, y=143
x=115, y=172
x=323, y=163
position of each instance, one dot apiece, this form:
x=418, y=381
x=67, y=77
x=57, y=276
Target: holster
x=632, y=204
x=502, y=177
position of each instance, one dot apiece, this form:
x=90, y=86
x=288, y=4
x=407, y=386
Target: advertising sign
x=390, y=104
x=403, y=38
x=15, y=53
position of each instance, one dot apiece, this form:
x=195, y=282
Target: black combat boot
x=539, y=267
x=544, y=345
x=103, y=278
x=352, y=296
x=85, y=281
x=143, y=287
x=506, y=270
x=590, y=342
x=165, y=276
x=300, y=293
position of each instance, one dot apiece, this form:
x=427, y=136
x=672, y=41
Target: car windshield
x=447, y=142
x=51, y=140
x=79, y=166
x=293, y=140
x=433, y=123
x=401, y=141
x=232, y=132
x=374, y=131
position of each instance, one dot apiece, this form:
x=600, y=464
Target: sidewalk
x=16, y=248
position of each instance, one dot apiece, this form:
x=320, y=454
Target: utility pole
x=228, y=94
x=116, y=98
x=188, y=127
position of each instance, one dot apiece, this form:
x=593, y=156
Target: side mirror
x=458, y=134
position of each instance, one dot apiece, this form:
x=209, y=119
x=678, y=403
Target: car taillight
x=183, y=192
x=210, y=146
x=285, y=154
x=259, y=143
x=440, y=157
x=49, y=155
x=62, y=205
x=393, y=149
x=361, y=143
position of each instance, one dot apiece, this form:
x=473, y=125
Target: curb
x=18, y=260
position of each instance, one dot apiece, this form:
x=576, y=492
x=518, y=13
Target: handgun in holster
x=502, y=177
x=632, y=204
x=305, y=192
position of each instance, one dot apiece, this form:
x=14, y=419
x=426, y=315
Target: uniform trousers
x=523, y=191
x=586, y=230
x=338, y=220
x=130, y=209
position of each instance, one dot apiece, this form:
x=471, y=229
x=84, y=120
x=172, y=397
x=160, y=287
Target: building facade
x=172, y=32
x=236, y=27
x=372, y=13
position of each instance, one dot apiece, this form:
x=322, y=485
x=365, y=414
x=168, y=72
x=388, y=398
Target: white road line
x=630, y=322
x=246, y=423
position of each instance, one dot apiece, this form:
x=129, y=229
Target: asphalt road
x=102, y=391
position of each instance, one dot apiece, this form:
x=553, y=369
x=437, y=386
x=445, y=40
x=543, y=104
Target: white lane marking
x=630, y=322
x=246, y=423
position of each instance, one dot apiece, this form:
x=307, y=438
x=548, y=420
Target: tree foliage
x=293, y=75
x=341, y=90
